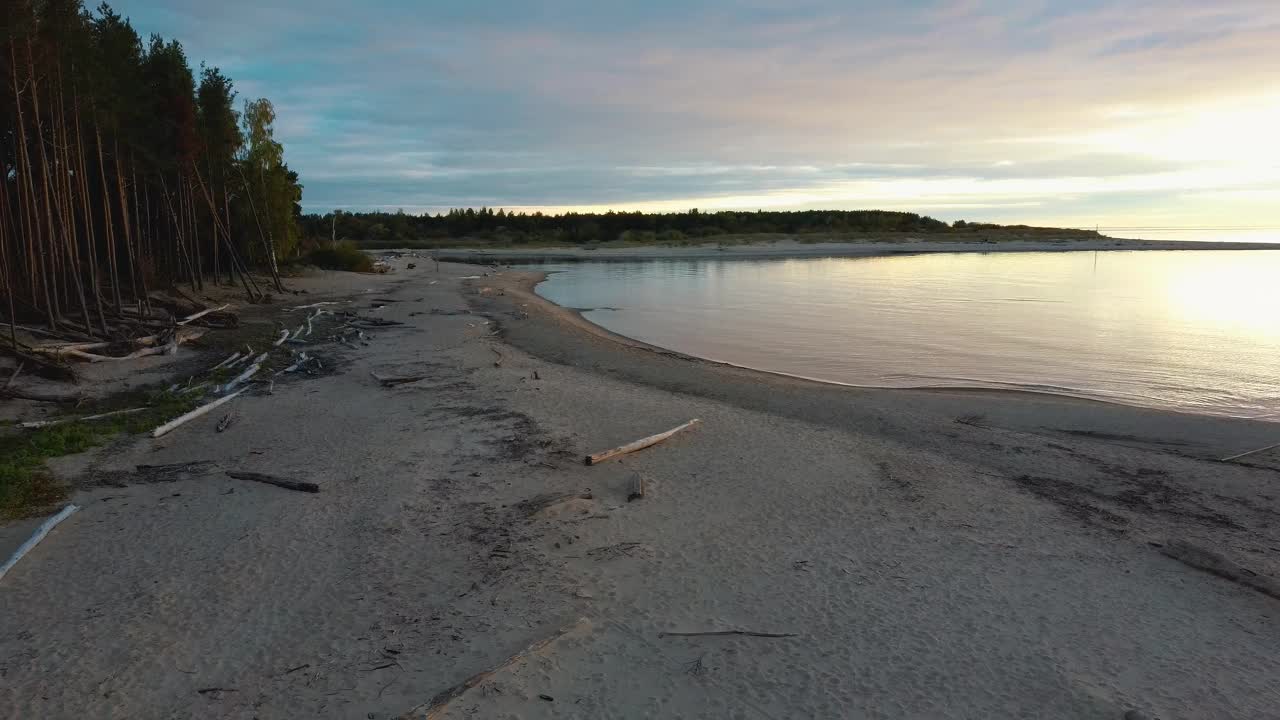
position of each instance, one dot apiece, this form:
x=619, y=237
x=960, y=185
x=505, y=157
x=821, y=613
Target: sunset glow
x=1107, y=113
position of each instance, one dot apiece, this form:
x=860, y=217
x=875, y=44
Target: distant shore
x=795, y=249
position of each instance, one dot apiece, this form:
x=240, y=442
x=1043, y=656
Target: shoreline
x=791, y=249
x=911, y=545
x=526, y=282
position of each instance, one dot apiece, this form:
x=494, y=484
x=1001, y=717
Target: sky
x=1129, y=113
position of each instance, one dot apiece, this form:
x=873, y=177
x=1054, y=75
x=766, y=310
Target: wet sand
x=928, y=554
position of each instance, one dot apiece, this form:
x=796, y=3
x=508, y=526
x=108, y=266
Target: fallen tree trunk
x=277, y=481
x=640, y=444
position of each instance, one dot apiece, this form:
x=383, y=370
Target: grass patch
x=342, y=255
x=26, y=485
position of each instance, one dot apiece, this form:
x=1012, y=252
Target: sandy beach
x=899, y=554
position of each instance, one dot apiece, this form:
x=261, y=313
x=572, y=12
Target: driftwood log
x=285, y=483
x=99, y=416
x=36, y=537
x=1251, y=452
x=640, y=444
x=169, y=426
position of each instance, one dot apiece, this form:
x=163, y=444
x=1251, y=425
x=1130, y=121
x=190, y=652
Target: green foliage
x=344, y=255
x=276, y=195
x=25, y=484
x=387, y=230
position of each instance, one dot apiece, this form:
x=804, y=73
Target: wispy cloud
x=976, y=108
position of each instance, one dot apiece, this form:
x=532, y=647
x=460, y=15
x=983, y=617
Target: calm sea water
x=1195, y=331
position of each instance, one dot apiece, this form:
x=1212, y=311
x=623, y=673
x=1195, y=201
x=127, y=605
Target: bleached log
x=59, y=421
x=144, y=352
x=234, y=356
x=36, y=537
x=640, y=444
x=1251, y=452
x=248, y=373
x=284, y=335
x=201, y=314
x=172, y=424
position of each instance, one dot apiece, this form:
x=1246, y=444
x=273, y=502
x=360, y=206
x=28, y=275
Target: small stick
x=1251, y=452
x=59, y=421
x=436, y=706
x=36, y=537
x=498, y=362
x=169, y=426
x=747, y=633
x=641, y=444
x=284, y=335
x=225, y=422
x=277, y=481
x=201, y=314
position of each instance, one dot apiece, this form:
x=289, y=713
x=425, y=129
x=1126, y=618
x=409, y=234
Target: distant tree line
x=383, y=229
x=122, y=172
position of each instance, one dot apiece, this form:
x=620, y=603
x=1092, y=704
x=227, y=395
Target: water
x=1197, y=331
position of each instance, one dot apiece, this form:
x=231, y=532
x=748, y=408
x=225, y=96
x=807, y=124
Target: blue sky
x=1137, y=112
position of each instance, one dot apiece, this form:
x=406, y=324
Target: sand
x=1003, y=566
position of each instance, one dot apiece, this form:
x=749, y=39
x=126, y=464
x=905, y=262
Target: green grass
x=26, y=485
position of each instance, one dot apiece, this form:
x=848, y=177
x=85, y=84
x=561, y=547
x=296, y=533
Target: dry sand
x=1003, y=566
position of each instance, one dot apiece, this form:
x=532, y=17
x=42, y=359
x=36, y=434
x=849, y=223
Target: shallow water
x=1196, y=331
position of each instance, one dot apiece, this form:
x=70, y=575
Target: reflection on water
x=1190, y=330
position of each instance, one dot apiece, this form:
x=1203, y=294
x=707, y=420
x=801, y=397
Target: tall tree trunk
x=91, y=252
x=267, y=245
x=107, y=229
x=38, y=255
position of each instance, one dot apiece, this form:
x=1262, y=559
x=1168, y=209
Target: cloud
x=1029, y=106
